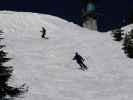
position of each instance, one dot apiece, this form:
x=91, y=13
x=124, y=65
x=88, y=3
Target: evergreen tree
x=7, y=92
x=117, y=34
x=131, y=33
x=128, y=45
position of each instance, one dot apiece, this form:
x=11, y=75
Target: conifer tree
x=128, y=45
x=131, y=33
x=117, y=34
x=7, y=92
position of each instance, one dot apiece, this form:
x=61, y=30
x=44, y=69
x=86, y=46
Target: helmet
x=76, y=53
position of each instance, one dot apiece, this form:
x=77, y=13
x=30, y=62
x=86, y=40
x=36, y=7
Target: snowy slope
x=46, y=66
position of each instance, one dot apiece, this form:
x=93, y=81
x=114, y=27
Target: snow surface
x=46, y=66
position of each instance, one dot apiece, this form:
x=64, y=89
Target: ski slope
x=46, y=66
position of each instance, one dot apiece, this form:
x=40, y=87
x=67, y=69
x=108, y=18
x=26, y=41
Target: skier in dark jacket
x=80, y=61
x=43, y=33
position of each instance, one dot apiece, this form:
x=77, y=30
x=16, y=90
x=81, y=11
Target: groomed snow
x=46, y=66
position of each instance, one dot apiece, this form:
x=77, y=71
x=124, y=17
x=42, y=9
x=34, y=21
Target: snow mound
x=46, y=66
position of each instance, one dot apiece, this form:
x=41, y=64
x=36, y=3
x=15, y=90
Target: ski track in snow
x=46, y=66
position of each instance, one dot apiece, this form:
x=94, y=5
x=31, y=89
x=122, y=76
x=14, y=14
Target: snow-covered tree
x=6, y=91
x=117, y=34
x=131, y=33
x=128, y=45
x=89, y=14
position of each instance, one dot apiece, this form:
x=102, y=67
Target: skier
x=80, y=61
x=43, y=33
